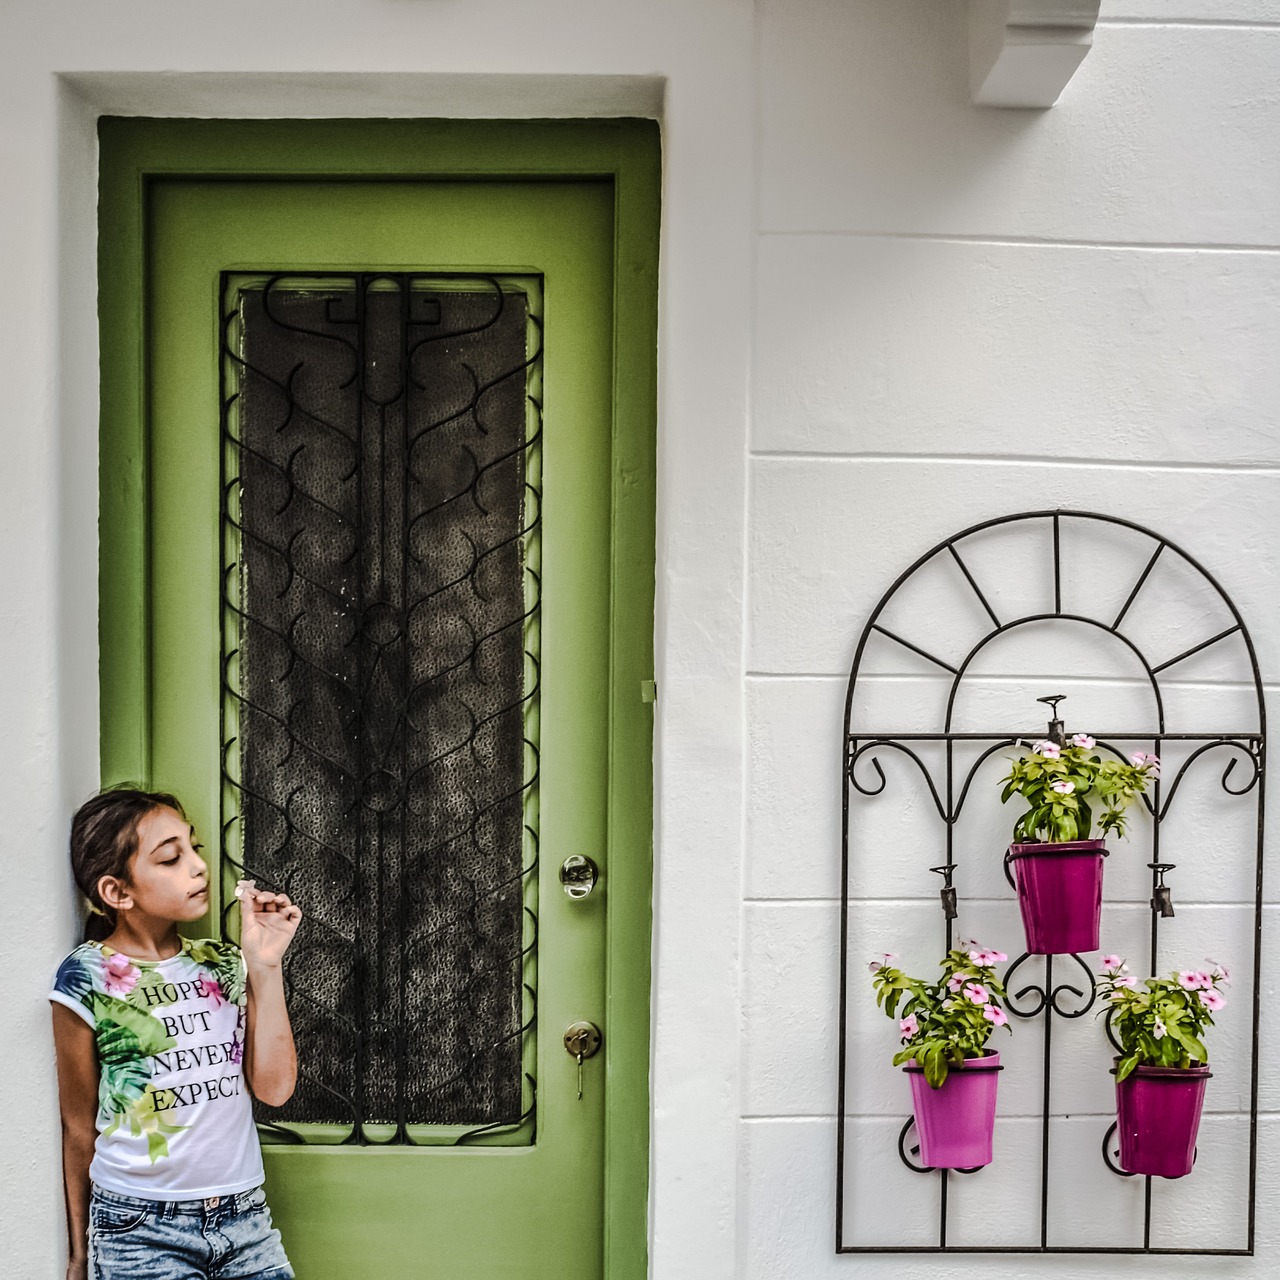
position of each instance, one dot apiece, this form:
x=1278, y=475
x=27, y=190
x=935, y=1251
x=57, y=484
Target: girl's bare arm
x=268, y=922
x=77, y=1052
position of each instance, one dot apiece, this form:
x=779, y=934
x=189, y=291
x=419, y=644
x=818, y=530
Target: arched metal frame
x=1072, y=997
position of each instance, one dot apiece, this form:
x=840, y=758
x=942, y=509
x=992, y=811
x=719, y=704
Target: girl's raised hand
x=268, y=922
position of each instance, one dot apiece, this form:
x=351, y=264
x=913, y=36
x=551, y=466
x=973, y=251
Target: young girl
x=160, y=1041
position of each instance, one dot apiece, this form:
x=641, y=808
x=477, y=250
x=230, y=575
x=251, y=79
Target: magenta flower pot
x=956, y=1123
x=1158, y=1118
x=1059, y=893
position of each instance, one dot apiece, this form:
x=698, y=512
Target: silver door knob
x=578, y=876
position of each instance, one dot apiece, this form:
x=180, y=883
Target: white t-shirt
x=175, y=1119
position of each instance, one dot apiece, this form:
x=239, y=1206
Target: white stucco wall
x=884, y=314
x=962, y=313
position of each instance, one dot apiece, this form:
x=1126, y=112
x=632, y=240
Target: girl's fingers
x=293, y=914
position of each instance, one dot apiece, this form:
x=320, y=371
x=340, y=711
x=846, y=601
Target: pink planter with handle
x=956, y=1123
x=1059, y=894
x=1158, y=1118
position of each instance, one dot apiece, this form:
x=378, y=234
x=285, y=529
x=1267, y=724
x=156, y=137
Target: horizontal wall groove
x=1226, y=24
x=828, y=1117
x=1143, y=904
x=1015, y=459
x=1020, y=242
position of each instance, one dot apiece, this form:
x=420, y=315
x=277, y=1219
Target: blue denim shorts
x=222, y=1238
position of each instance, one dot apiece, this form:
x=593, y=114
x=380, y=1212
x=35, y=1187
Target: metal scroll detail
x=1040, y=988
x=381, y=519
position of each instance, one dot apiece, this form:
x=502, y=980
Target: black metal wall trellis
x=381, y=559
x=1070, y=991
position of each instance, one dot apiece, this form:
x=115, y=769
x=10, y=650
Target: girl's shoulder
x=79, y=976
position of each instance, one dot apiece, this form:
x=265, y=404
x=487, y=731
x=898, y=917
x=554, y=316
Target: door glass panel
x=381, y=515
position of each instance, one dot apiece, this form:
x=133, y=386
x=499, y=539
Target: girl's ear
x=114, y=893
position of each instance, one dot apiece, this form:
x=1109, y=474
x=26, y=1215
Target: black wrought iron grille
x=1046, y=989
x=381, y=613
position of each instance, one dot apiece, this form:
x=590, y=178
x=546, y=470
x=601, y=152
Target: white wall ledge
x=1022, y=53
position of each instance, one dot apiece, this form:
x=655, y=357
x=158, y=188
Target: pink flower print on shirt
x=120, y=975
x=211, y=989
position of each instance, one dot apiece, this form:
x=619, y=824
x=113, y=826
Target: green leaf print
x=145, y=1116
x=225, y=960
x=125, y=1032
x=121, y=1086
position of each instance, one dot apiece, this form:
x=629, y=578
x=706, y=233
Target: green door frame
x=136, y=152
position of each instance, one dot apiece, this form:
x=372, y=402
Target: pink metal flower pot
x=1059, y=893
x=956, y=1123
x=1158, y=1117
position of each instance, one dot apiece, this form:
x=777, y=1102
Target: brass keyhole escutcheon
x=582, y=1041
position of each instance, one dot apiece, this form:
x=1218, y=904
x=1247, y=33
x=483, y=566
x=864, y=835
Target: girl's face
x=167, y=878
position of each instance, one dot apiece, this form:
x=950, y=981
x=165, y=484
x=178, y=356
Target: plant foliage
x=1160, y=1022
x=1065, y=784
x=946, y=1021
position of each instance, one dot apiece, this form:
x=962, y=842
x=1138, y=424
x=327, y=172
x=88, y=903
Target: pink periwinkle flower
x=1212, y=1001
x=954, y=984
x=1159, y=1031
x=1049, y=750
x=1112, y=964
x=977, y=993
x=909, y=1026
x=120, y=975
x=1220, y=971
x=1127, y=981
x=992, y=957
x=1194, y=980
x=993, y=1013
x=886, y=958
x=1082, y=740
x=1145, y=760
x=1063, y=786
x=211, y=989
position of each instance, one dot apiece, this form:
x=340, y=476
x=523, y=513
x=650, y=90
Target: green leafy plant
x=1160, y=1022
x=1064, y=784
x=946, y=1021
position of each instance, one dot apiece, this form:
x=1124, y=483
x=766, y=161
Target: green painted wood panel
x=573, y=1203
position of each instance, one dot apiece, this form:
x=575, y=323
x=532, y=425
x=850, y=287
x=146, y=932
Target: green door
x=389, y=527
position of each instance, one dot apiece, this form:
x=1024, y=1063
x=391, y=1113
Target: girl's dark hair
x=104, y=836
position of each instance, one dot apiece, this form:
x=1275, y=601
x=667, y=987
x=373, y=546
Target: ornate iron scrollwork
x=1072, y=993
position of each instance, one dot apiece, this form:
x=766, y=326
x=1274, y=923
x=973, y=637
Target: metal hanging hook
x=1162, y=901
x=1057, y=732
x=947, y=893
